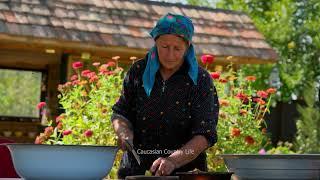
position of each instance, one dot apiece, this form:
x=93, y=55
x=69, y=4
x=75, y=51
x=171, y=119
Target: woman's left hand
x=162, y=167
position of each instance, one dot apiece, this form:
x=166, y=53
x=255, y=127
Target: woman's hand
x=123, y=132
x=163, y=167
x=121, y=140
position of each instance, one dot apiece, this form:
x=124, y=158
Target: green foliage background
x=308, y=124
x=291, y=27
x=19, y=93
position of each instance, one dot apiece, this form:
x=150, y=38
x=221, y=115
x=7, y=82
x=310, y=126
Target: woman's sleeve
x=123, y=108
x=205, y=109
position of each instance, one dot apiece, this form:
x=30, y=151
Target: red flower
x=251, y=78
x=77, y=65
x=93, y=79
x=207, y=59
x=262, y=102
x=59, y=118
x=103, y=68
x=259, y=101
x=249, y=140
x=84, y=73
x=262, y=94
x=111, y=64
x=59, y=126
x=244, y=98
x=48, y=131
x=215, y=75
x=91, y=74
x=40, y=139
x=67, y=84
x=88, y=133
x=76, y=82
x=235, y=132
x=67, y=132
x=74, y=77
x=271, y=90
x=41, y=105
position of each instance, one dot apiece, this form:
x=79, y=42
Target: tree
x=308, y=133
x=292, y=28
x=19, y=93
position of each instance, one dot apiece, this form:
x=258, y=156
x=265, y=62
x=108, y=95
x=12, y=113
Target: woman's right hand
x=121, y=140
x=123, y=133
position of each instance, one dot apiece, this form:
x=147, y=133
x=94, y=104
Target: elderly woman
x=168, y=107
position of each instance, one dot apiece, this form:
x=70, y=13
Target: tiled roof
x=127, y=23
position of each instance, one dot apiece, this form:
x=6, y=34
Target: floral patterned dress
x=176, y=111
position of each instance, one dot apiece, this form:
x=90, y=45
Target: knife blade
x=130, y=148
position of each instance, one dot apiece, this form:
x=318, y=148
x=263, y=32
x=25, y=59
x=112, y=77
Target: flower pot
x=284, y=166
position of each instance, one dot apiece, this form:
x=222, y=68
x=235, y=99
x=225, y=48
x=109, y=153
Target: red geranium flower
x=88, y=133
x=103, y=68
x=74, y=77
x=207, y=59
x=40, y=139
x=262, y=94
x=215, y=75
x=249, y=140
x=235, y=132
x=41, y=105
x=76, y=82
x=244, y=98
x=67, y=132
x=271, y=90
x=59, y=118
x=259, y=101
x=77, y=65
x=67, y=84
x=91, y=74
x=251, y=78
x=48, y=131
x=93, y=79
x=111, y=64
x=59, y=126
x=84, y=73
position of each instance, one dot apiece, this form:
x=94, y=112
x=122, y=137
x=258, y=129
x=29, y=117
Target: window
x=20, y=92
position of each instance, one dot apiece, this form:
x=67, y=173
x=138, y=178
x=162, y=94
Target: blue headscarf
x=170, y=24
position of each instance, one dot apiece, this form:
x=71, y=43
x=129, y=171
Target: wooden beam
x=26, y=60
x=36, y=43
x=76, y=48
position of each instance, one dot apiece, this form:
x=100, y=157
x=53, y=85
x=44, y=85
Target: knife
x=130, y=148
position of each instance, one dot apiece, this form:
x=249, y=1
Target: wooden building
x=47, y=36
